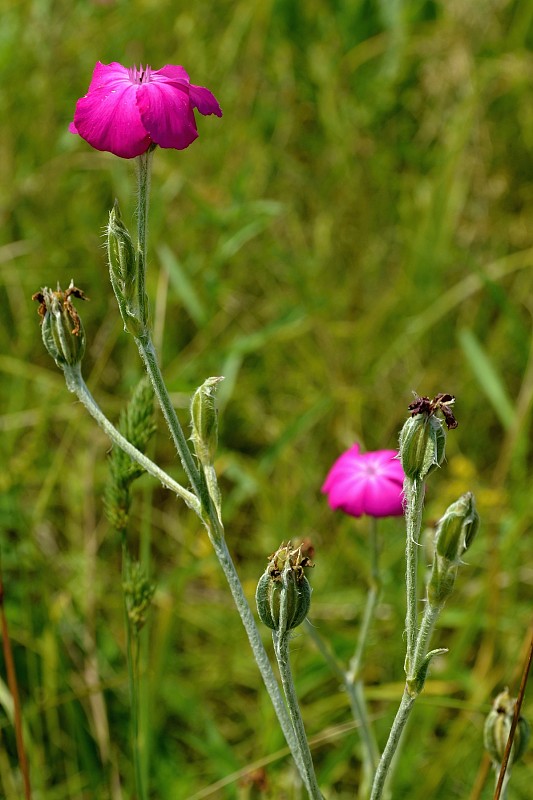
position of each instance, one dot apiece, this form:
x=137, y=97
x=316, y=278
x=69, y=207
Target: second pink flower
x=366, y=483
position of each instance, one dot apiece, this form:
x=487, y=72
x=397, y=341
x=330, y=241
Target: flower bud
x=498, y=726
x=454, y=535
x=441, y=581
x=62, y=329
x=204, y=421
x=121, y=254
x=284, y=581
x=422, y=446
x=123, y=271
x=457, y=528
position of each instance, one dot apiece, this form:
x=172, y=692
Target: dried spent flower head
x=423, y=438
x=126, y=111
x=441, y=402
x=366, y=483
x=62, y=329
x=284, y=579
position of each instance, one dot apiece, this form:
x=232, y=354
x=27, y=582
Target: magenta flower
x=126, y=110
x=366, y=483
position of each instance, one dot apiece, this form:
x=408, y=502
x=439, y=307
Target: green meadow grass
x=356, y=227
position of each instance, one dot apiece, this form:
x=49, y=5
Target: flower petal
x=200, y=97
x=347, y=496
x=204, y=100
x=166, y=112
x=173, y=74
x=383, y=498
x=108, y=117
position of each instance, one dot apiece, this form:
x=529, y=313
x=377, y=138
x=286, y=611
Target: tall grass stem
x=132, y=659
x=13, y=688
x=354, y=685
x=501, y=783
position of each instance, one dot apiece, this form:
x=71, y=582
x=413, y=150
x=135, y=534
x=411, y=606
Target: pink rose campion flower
x=125, y=111
x=366, y=483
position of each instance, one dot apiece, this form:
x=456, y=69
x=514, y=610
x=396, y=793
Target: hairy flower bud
x=62, y=329
x=121, y=253
x=204, y=421
x=123, y=271
x=457, y=528
x=422, y=446
x=498, y=726
x=454, y=534
x=284, y=582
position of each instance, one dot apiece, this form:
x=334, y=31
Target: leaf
x=488, y=378
x=183, y=286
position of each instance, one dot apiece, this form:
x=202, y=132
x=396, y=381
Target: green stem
x=258, y=649
x=144, y=171
x=398, y=725
x=149, y=357
x=144, y=341
x=414, y=503
x=355, y=696
x=370, y=750
x=144, y=644
x=353, y=686
x=371, y=602
x=77, y=385
x=431, y=614
x=205, y=507
x=208, y=512
x=141, y=789
x=325, y=652
x=281, y=649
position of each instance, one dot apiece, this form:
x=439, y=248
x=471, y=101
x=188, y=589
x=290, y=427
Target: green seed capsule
x=497, y=727
x=284, y=582
x=268, y=598
x=62, y=329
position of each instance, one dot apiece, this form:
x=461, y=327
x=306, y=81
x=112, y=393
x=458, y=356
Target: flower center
x=371, y=470
x=140, y=74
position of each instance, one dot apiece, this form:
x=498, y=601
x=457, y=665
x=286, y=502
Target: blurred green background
x=357, y=226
